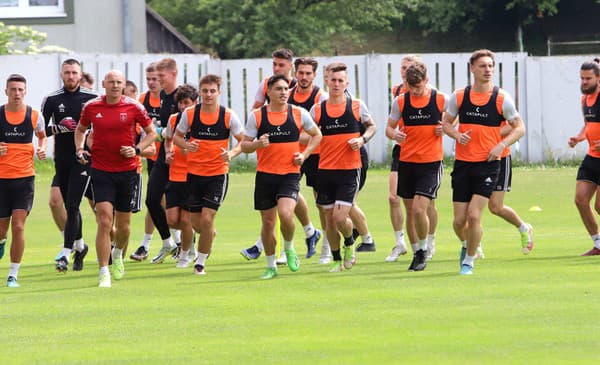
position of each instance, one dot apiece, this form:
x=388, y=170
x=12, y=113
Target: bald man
x=113, y=118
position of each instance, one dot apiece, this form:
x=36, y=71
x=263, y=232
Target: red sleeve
x=142, y=117
x=84, y=118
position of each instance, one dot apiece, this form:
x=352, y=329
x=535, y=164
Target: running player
x=204, y=132
x=481, y=108
x=113, y=118
x=339, y=164
x=273, y=131
x=418, y=113
x=61, y=109
x=588, y=176
x=18, y=124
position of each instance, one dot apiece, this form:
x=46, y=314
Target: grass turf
x=515, y=309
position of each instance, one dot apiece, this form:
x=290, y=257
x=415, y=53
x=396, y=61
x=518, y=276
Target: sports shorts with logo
x=206, y=191
x=114, y=187
x=268, y=188
x=419, y=179
x=16, y=194
x=309, y=168
x=337, y=186
x=395, y=157
x=470, y=178
x=589, y=170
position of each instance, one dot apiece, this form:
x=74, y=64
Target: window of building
x=32, y=9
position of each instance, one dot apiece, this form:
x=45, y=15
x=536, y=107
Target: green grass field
x=515, y=310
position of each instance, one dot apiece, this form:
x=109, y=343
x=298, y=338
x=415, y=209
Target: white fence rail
x=546, y=89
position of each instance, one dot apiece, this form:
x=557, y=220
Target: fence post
x=376, y=98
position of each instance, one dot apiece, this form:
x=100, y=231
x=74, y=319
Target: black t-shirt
x=168, y=106
x=57, y=106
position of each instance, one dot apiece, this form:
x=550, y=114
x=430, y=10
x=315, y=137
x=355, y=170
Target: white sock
x=66, y=252
x=415, y=247
x=596, y=239
x=259, y=244
x=271, y=261
x=469, y=260
x=430, y=237
x=309, y=230
x=423, y=245
x=146, y=240
x=104, y=270
x=400, y=238
x=464, y=243
x=201, y=260
x=288, y=245
x=168, y=242
x=366, y=238
x=14, y=269
x=3, y=240
x=325, y=241
x=176, y=235
x=523, y=227
x=117, y=253
x=62, y=233
x=184, y=254
x=79, y=245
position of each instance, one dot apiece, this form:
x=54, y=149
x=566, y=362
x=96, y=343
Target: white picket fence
x=371, y=78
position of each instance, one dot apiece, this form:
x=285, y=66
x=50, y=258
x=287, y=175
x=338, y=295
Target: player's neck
x=276, y=107
x=15, y=107
x=337, y=99
x=209, y=108
x=71, y=90
x=156, y=94
x=112, y=99
x=482, y=86
x=302, y=90
x=169, y=89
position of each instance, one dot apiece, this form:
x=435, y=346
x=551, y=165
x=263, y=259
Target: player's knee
x=394, y=200
x=473, y=217
x=494, y=207
x=581, y=201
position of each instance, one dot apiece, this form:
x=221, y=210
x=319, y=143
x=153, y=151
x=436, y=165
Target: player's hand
x=68, y=123
x=356, y=143
x=495, y=152
x=400, y=135
x=127, y=151
x=192, y=146
x=225, y=155
x=83, y=157
x=169, y=157
x=465, y=137
x=438, y=129
x=41, y=154
x=298, y=158
x=3, y=148
x=573, y=141
x=263, y=141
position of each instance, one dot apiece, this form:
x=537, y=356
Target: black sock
x=348, y=241
x=336, y=255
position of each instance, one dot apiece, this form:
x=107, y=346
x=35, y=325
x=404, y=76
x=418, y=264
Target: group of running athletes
x=295, y=128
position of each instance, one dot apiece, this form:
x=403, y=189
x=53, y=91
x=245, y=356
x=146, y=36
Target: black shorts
x=206, y=191
x=339, y=186
x=16, y=194
x=589, y=170
x=176, y=195
x=310, y=168
x=79, y=177
x=419, y=179
x=114, y=187
x=470, y=178
x=395, y=157
x=136, y=202
x=149, y=165
x=505, y=174
x=268, y=188
x=364, y=160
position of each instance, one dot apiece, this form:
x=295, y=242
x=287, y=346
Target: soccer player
x=131, y=89
x=159, y=177
x=339, y=118
x=18, y=123
x=176, y=194
x=394, y=200
x=61, y=109
x=151, y=101
x=273, y=131
x=588, y=175
x=282, y=65
x=203, y=132
x=113, y=118
x=418, y=113
x=481, y=108
x=496, y=203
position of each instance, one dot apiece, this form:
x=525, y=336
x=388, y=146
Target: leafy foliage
x=23, y=40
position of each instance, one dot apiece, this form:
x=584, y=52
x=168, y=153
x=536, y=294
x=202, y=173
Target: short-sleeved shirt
x=114, y=126
x=591, y=115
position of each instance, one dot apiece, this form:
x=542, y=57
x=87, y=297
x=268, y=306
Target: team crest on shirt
x=61, y=108
x=123, y=117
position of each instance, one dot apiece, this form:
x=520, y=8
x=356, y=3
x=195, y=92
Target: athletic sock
x=104, y=270
x=325, y=241
x=400, y=238
x=14, y=269
x=415, y=247
x=288, y=245
x=272, y=261
x=336, y=255
x=367, y=238
x=66, y=252
x=596, y=239
x=309, y=230
x=464, y=243
x=62, y=233
x=201, y=260
x=469, y=260
x=146, y=241
x=259, y=244
x=430, y=237
x=184, y=253
x=117, y=253
x=79, y=245
x=176, y=235
x=423, y=245
x=168, y=242
x=348, y=241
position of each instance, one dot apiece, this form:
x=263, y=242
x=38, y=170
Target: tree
x=252, y=28
x=23, y=40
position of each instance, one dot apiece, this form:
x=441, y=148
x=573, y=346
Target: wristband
x=137, y=151
x=365, y=139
